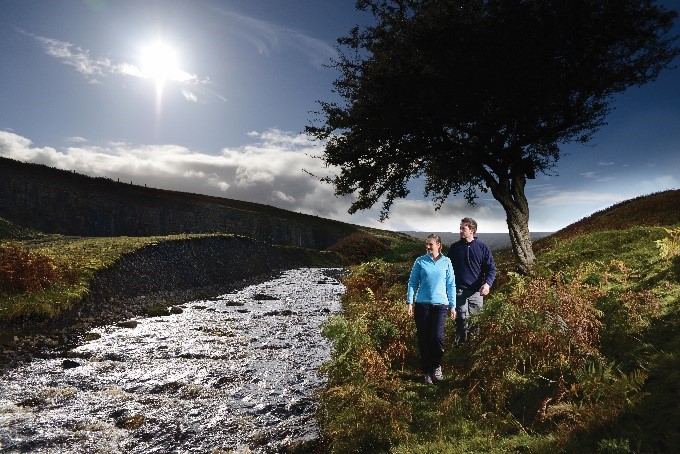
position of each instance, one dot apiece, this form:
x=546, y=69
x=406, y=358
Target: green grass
x=546, y=393
x=84, y=256
x=87, y=256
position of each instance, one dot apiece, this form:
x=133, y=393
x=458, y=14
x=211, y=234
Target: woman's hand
x=409, y=311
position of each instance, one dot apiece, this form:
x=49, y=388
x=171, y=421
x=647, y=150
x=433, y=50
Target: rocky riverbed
x=236, y=372
x=157, y=276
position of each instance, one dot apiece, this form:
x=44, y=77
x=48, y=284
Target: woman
x=431, y=296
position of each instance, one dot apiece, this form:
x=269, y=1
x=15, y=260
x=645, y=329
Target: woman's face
x=433, y=248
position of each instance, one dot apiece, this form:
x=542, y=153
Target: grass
x=580, y=357
x=84, y=257
x=81, y=258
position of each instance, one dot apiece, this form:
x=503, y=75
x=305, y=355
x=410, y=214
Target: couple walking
x=452, y=286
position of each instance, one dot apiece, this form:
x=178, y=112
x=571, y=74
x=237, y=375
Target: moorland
x=580, y=356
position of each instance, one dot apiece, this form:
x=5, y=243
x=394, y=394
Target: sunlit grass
x=84, y=257
x=602, y=401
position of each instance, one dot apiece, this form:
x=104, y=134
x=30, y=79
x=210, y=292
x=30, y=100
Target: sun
x=159, y=62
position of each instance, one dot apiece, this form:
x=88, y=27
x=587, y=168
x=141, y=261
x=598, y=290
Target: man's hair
x=471, y=223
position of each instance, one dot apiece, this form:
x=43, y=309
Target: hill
x=660, y=208
x=58, y=201
x=495, y=241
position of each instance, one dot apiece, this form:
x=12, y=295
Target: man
x=475, y=271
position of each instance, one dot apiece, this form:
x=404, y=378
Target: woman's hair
x=471, y=223
x=437, y=238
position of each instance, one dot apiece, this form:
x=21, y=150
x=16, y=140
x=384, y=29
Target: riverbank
x=159, y=277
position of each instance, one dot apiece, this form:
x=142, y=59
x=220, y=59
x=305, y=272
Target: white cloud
x=189, y=96
x=268, y=38
x=279, y=195
x=275, y=170
x=95, y=69
x=268, y=171
x=660, y=183
x=76, y=139
x=565, y=198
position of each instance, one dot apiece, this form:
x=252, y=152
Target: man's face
x=466, y=233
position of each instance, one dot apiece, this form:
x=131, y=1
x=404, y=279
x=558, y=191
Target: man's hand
x=410, y=310
x=484, y=290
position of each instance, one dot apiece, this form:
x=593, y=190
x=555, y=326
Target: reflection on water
x=234, y=373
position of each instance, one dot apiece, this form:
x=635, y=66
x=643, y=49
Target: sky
x=213, y=96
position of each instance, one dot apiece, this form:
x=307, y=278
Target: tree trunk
x=518, y=226
x=510, y=194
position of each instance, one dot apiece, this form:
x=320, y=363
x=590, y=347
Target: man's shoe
x=428, y=379
x=438, y=374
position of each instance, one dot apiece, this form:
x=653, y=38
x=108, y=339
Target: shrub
x=23, y=271
x=669, y=247
x=376, y=292
x=362, y=409
x=531, y=343
x=359, y=247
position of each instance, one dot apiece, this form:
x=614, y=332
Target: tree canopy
x=478, y=95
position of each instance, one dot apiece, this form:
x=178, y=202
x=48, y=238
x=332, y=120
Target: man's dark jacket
x=473, y=264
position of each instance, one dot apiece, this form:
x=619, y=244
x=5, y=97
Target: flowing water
x=236, y=373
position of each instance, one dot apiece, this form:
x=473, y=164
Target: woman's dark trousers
x=430, y=322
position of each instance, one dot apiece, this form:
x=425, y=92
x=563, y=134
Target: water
x=235, y=373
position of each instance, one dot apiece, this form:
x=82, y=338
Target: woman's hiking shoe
x=438, y=374
x=428, y=379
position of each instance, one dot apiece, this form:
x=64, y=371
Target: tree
x=478, y=95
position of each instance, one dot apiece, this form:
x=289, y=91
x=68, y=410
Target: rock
x=128, y=324
x=69, y=364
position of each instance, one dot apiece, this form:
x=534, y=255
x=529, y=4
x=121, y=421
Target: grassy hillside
x=581, y=357
x=58, y=201
x=658, y=209
x=45, y=275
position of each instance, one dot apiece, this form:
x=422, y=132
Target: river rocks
x=154, y=281
x=69, y=364
x=200, y=381
x=128, y=324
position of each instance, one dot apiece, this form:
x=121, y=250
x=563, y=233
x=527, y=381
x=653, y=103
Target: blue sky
x=212, y=97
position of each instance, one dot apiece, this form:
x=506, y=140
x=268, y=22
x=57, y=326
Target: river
x=236, y=373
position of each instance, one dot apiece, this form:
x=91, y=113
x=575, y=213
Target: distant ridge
x=58, y=201
x=495, y=241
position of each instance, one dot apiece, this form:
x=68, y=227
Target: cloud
x=189, y=96
x=564, y=198
x=96, y=69
x=76, y=139
x=420, y=215
x=660, y=183
x=271, y=170
x=269, y=38
x=275, y=169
